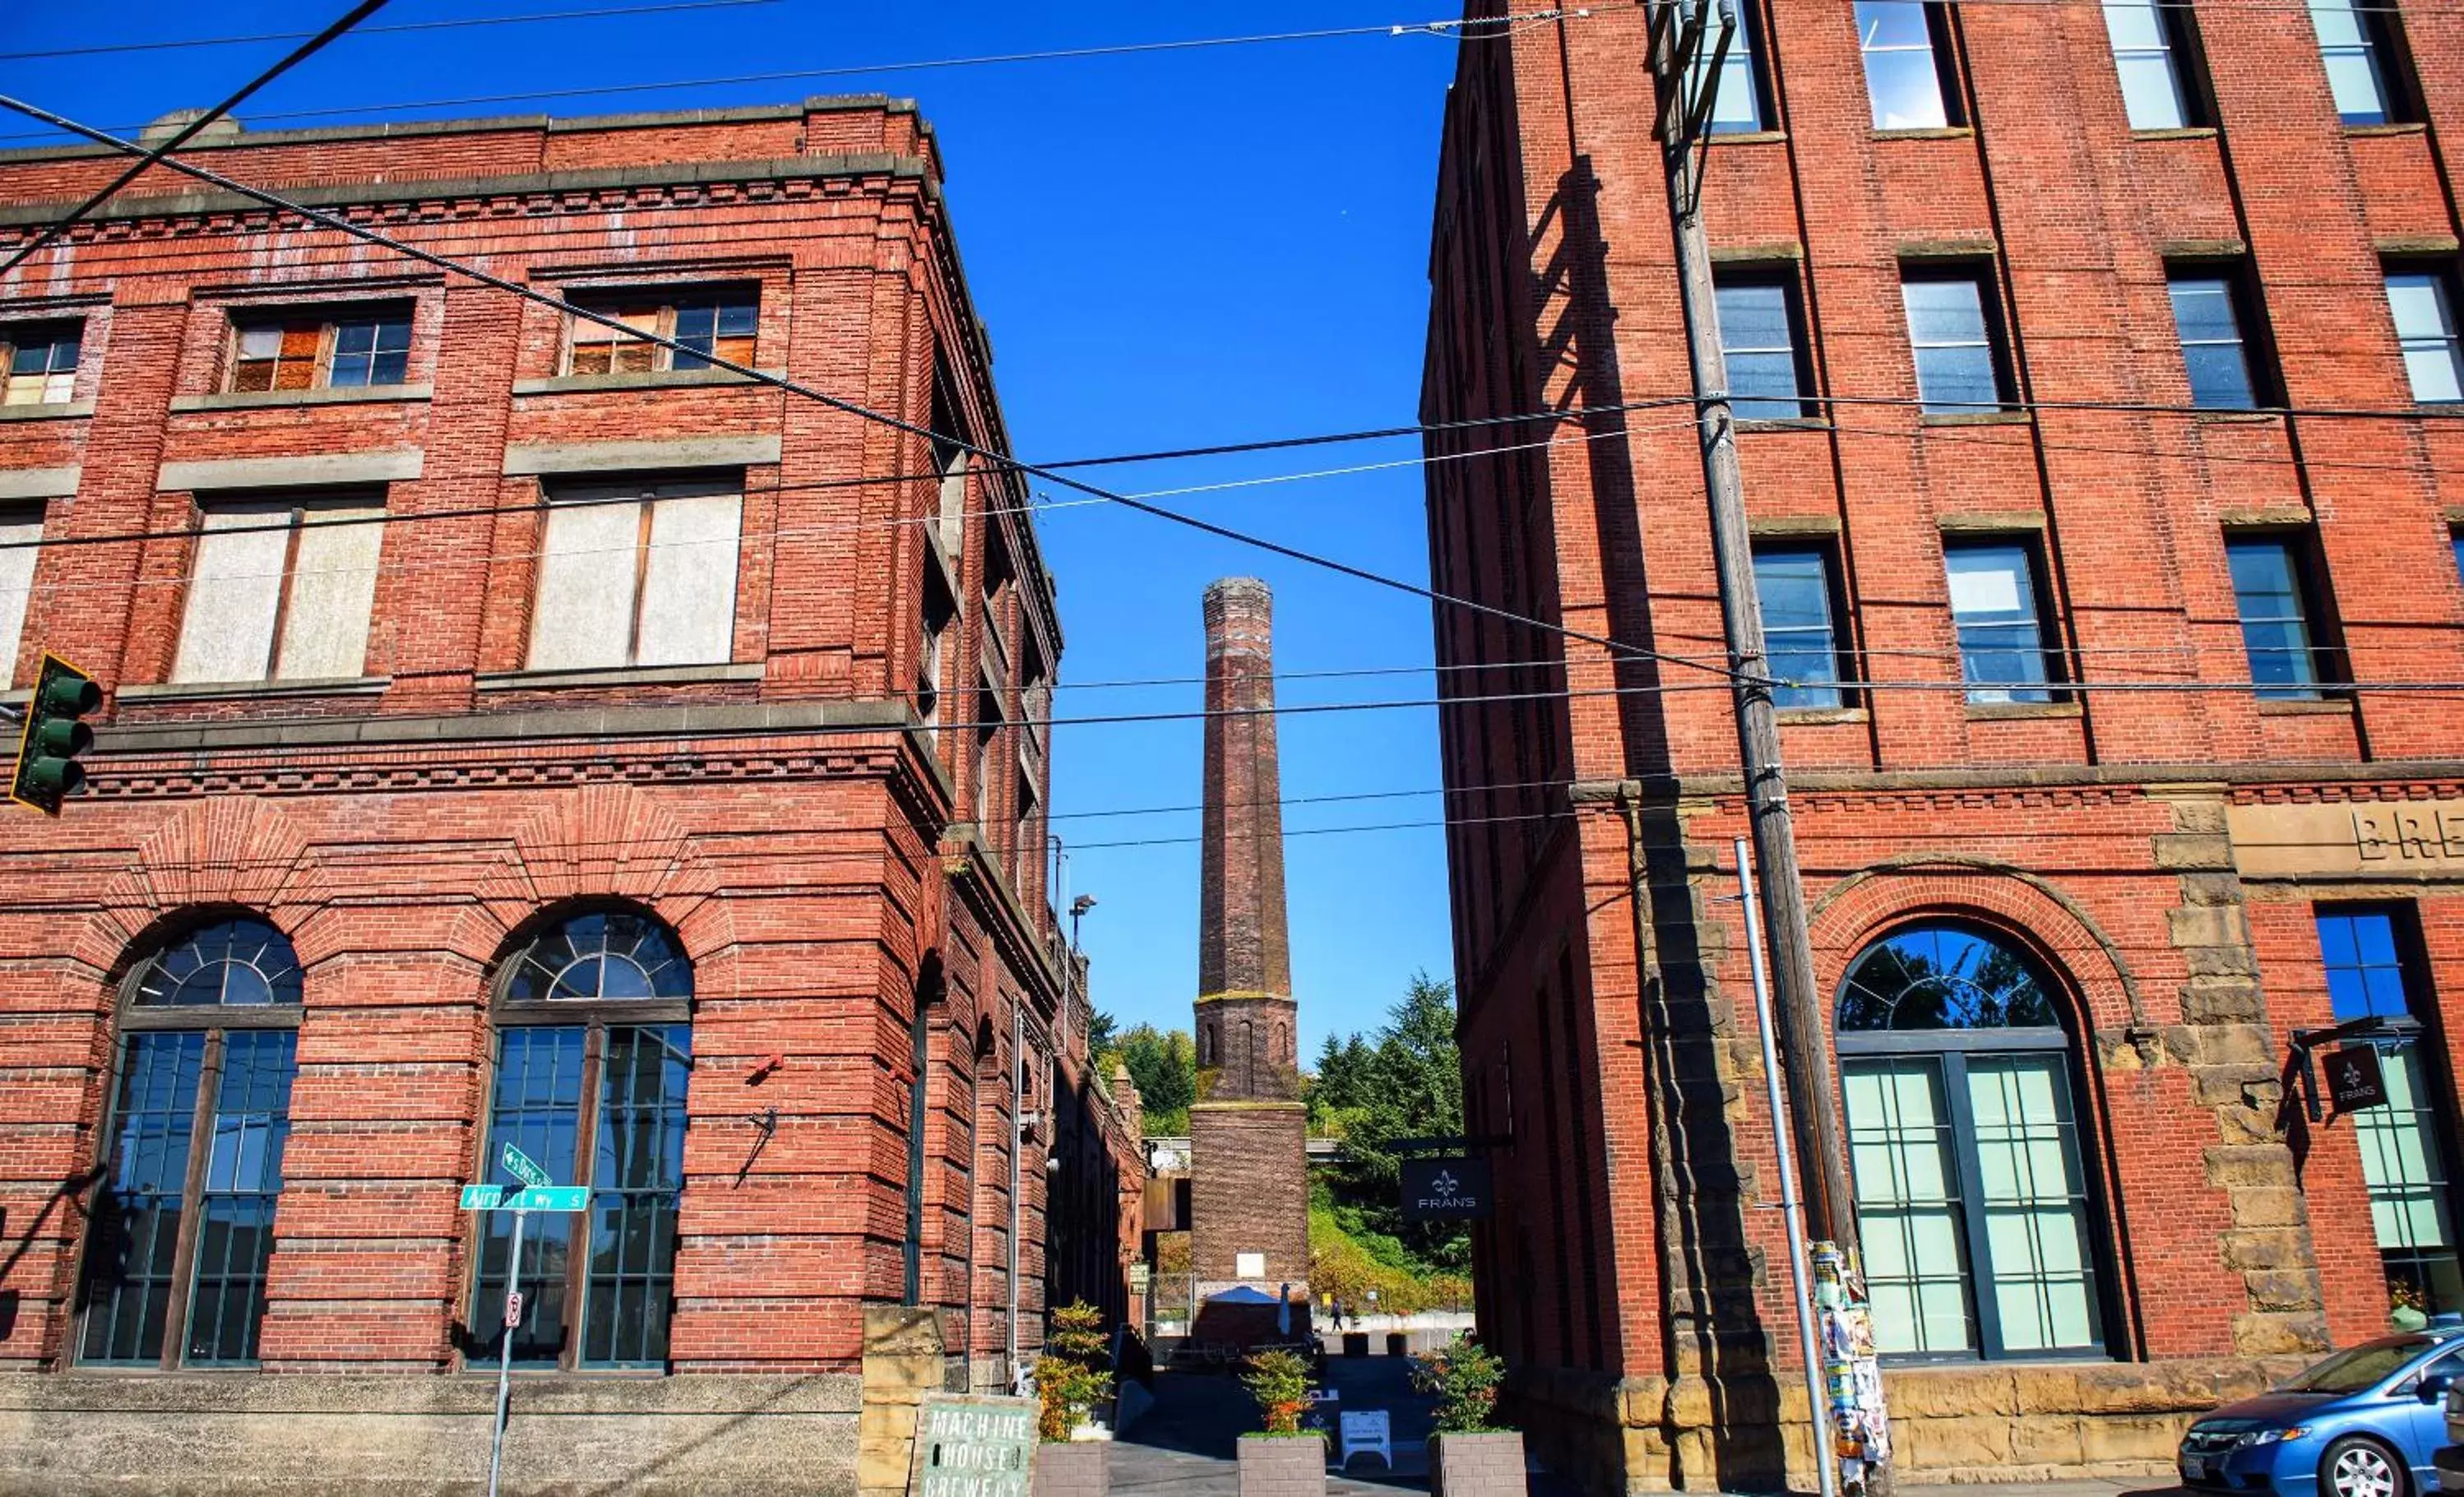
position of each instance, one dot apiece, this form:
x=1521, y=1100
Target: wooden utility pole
x=1680, y=34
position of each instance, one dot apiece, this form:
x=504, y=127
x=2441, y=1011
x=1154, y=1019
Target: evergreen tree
x=1164, y=1064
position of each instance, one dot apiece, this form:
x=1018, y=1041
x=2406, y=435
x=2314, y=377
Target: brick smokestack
x=1248, y=1130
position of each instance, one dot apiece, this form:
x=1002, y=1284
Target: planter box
x=1356, y=1343
x=1079, y=1468
x=1476, y=1465
x=1282, y=1465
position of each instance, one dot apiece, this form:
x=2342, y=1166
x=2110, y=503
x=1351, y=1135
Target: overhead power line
x=848, y=408
x=454, y=23
x=190, y=131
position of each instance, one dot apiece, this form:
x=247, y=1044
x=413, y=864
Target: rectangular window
x=2403, y=1158
x=988, y=726
x=1906, y=76
x=640, y=574
x=637, y=1180
x=1794, y=586
x=1761, y=344
x=1738, y=108
x=40, y=360
x=714, y=322
x=2211, y=315
x=2272, y=594
x=2424, y=303
x=1956, y=331
x=280, y=589
x=21, y=533
x=932, y=670
x=2363, y=60
x=537, y=1109
x=1909, y=1209
x=2151, y=53
x=2001, y=633
x=319, y=349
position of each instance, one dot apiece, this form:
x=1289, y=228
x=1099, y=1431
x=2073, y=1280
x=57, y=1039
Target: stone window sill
x=206, y=690
x=2188, y=132
x=65, y=410
x=2399, y=127
x=1782, y=424
x=643, y=380
x=1819, y=717
x=1975, y=418
x=1749, y=138
x=346, y=395
x=2237, y=418
x=1938, y=132
x=2020, y=712
x=617, y=676
x=2306, y=707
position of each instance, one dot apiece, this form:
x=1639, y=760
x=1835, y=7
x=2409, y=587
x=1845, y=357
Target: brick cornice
x=2152, y=778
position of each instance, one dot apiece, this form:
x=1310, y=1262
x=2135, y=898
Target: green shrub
x=1279, y=1380
x=1070, y=1376
x=1464, y=1378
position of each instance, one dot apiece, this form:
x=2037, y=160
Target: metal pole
x=1809, y=1340
x=505, y=1354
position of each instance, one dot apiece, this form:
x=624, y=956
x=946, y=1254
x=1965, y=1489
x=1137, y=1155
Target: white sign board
x=1249, y=1265
x=1369, y=1433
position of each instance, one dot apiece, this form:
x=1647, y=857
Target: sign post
x=537, y=1195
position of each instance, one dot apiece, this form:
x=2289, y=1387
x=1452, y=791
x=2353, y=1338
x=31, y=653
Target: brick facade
x=2160, y=856
x=828, y=852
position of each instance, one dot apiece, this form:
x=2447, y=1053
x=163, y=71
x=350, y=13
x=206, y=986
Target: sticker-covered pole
x=505, y=1353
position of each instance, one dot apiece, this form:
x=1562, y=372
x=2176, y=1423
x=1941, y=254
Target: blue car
x=2365, y=1422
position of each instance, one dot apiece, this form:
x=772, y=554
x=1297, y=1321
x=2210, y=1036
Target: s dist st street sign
x=1446, y=1188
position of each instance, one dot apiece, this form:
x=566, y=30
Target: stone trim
x=398, y=466
x=636, y=379
x=621, y=677
x=329, y=395
x=39, y=483
x=60, y=410
x=131, y=740
x=1792, y=525
x=535, y=460
x=2151, y=779
x=1989, y=521
x=209, y=690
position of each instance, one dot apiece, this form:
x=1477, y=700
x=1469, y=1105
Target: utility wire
x=852, y=408
x=457, y=23
x=190, y=131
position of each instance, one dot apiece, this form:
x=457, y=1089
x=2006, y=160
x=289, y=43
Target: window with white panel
x=638, y=574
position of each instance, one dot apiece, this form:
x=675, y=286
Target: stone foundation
x=2008, y=1422
x=319, y=1435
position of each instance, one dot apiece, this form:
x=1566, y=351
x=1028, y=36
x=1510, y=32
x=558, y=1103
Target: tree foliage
x=1404, y=1082
x=1164, y=1064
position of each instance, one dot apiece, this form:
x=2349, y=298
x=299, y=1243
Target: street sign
x=523, y=1167
x=2354, y=1079
x=1141, y=1277
x=539, y=1197
x=1445, y=1188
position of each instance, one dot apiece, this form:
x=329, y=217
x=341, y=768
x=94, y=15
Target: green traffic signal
x=47, y=768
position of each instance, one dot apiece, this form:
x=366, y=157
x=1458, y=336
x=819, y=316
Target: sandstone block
x=2114, y=1438
x=1939, y=1444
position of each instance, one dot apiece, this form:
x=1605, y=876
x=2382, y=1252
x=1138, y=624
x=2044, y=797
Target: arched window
x=182, y=1224
x=594, y=1041
x=1972, y=1200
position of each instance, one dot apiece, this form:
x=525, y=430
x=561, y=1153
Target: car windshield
x=2362, y=1367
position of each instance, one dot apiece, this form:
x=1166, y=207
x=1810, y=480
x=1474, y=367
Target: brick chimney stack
x=1248, y=1132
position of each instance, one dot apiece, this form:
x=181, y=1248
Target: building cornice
x=2154, y=778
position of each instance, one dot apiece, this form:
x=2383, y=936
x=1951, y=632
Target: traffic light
x=47, y=767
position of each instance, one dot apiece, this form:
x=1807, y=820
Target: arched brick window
x=182, y=1224
x=594, y=1041
x=1974, y=1203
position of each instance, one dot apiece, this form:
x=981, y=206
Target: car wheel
x=2358, y=1467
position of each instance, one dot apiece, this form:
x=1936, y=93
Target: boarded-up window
x=321, y=349
x=19, y=532
x=709, y=322
x=638, y=575
x=38, y=363
x=280, y=589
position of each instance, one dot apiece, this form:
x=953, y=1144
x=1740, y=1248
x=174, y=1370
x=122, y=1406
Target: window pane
x=234, y=591
x=2143, y=57
x=1758, y=345
x=41, y=365
x=332, y=587
x=1738, y=107
x=1956, y=369
x=2349, y=50
x=537, y=1108
x=18, y=533
x=1794, y=588
x=1900, y=74
x=243, y=1182
x=1907, y=1204
x=2276, y=633
x=2210, y=326
x=2424, y=327
x=135, y=1233
x=688, y=580
x=583, y=617
x=636, y=1180
x=2036, y=1202
x=1993, y=607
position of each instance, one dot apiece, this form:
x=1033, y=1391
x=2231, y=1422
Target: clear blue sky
x=1169, y=249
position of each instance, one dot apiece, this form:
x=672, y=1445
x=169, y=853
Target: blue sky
x=1170, y=250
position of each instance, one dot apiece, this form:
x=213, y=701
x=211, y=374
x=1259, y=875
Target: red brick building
x=521, y=731
x=2099, y=796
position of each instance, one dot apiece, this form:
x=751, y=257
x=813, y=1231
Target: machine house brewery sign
x=1446, y=1188
x=972, y=1445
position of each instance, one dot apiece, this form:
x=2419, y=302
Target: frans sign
x=1445, y=1188
x=973, y=1445
x=2354, y=1079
